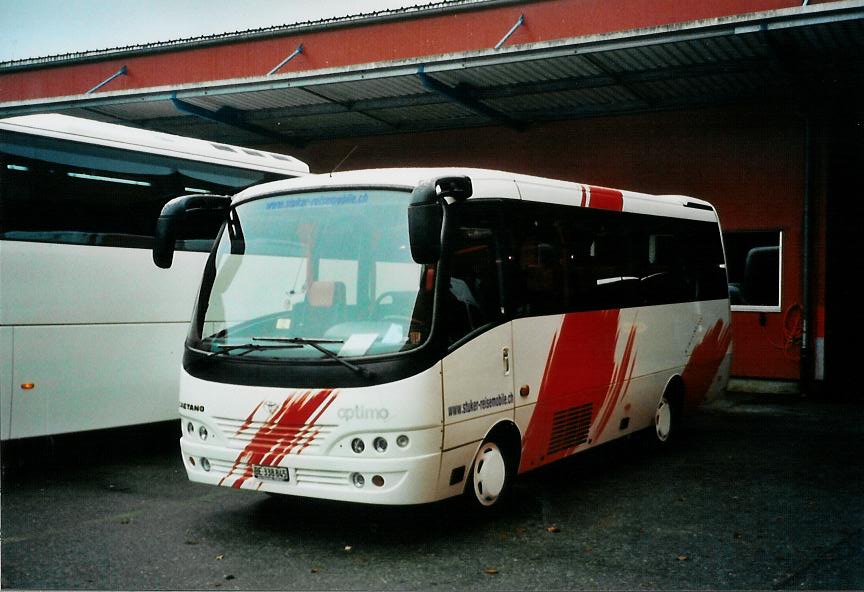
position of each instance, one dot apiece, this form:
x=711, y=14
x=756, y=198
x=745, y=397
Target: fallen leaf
x=191, y=542
x=315, y=569
x=220, y=557
x=553, y=528
x=348, y=548
x=229, y=577
x=682, y=558
x=490, y=571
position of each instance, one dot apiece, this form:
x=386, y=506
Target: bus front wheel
x=667, y=418
x=490, y=475
x=663, y=420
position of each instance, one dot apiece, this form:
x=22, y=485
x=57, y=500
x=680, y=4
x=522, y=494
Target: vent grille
x=570, y=428
x=266, y=436
x=322, y=477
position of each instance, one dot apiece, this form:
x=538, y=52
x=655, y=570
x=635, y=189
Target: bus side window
x=684, y=262
x=540, y=266
x=666, y=278
x=472, y=299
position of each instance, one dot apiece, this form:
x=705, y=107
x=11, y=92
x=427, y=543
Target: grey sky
x=37, y=28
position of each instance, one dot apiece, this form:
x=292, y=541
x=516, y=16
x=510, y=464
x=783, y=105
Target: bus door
x=478, y=368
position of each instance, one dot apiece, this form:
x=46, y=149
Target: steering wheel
x=383, y=296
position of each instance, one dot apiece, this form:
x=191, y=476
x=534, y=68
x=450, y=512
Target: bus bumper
x=388, y=481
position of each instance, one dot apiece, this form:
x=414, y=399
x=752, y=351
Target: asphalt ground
x=760, y=492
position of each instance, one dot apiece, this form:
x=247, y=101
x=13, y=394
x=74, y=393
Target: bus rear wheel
x=490, y=476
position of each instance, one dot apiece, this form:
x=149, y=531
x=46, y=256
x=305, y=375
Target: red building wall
x=747, y=161
x=347, y=45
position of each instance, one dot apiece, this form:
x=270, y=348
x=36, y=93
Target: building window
x=753, y=260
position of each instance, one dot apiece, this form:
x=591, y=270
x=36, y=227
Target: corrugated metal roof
x=362, y=90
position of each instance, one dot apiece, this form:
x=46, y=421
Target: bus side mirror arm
x=172, y=217
x=426, y=214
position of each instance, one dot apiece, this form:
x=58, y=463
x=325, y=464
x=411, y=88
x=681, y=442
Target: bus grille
x=570, y=428
x=266, y=437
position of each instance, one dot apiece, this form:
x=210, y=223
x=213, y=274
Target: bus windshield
x=294, y=275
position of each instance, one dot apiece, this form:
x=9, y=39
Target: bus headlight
x=202, y=432
x=358, y=480
x=205, y=464
x=379, y=444
x=402, y=441
x=358, y=446
x=190, y=428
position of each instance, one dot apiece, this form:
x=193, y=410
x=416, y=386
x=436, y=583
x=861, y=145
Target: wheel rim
x=663, y=420
x=489, y=474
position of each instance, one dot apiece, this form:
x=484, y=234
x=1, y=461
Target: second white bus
x=403, y=336
x=89, y=330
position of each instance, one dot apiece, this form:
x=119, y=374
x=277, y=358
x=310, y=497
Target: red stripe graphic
x=249, y=419
x=581, y=369
x=618, y=386
x=603, y=198
x=705, y=361
x=267, y=447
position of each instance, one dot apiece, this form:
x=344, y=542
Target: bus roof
x=77, y=129
x=503, y=185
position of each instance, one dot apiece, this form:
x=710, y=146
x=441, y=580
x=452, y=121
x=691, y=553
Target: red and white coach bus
x=402, y=336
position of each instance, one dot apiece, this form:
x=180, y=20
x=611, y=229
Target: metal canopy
x=790, y=55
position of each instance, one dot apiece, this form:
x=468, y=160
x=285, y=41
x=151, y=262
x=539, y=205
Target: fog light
x=357, y=445
x=205, y=464
x=378, y=481
x=402, y=441
x=358, y=480
x=190, y=428
x=192, y=461
x=379, y=444
x=202, y=431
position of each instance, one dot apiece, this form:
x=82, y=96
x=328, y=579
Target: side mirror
x=426, y=214
x=424, y=230
x=172, y=217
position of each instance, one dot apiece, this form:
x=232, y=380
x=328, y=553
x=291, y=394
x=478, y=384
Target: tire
x=490, y=477
x=666, y=421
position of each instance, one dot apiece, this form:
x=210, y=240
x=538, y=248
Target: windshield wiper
x=249, y=347
x=316, y=343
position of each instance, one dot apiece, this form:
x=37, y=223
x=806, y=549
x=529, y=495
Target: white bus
x=89, y=330
x=403, y=336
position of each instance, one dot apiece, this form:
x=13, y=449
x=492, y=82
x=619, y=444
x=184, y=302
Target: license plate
x=270, y=473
